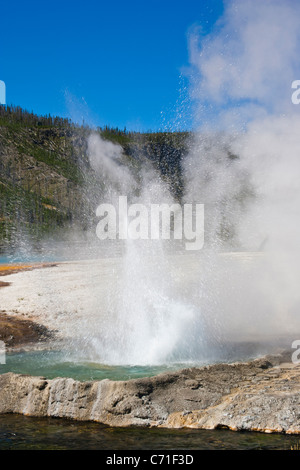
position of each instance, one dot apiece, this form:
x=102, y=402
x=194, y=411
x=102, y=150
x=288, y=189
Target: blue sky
x=116, y=63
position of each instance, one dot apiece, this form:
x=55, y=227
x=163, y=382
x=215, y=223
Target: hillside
x=46, y=182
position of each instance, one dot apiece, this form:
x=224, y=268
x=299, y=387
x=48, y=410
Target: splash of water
x=244, y=166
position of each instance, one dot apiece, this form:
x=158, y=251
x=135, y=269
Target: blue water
x=53, y=364
x=55, y=251
x=27, y=258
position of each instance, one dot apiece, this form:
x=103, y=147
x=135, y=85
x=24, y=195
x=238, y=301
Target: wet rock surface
x=261, y=395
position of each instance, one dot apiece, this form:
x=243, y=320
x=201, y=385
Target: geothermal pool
x=52, y=364
x=55, y=363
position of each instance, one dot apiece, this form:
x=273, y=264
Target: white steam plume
x=245, y=67
x=106, y=159
x=241, y=76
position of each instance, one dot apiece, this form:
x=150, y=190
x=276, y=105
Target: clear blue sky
x=111, y=62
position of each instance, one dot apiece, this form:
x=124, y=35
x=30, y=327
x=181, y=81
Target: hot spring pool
x=52, y=364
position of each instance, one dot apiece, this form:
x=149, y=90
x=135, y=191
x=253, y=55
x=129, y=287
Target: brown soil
x=16, y=332
x=3, y=284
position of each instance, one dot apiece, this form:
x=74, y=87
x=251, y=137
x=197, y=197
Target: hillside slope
x=46, y=182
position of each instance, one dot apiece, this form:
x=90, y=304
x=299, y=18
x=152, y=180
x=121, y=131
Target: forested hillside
x=44, y=170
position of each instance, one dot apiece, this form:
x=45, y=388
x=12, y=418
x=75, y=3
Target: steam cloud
x=241, y=76
x=244, y=69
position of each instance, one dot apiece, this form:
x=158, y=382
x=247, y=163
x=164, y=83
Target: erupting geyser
x=243, y=165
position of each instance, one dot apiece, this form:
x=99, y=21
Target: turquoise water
x=61, y=363
x=53, y=364
x=27, y=258
x=61, y=251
